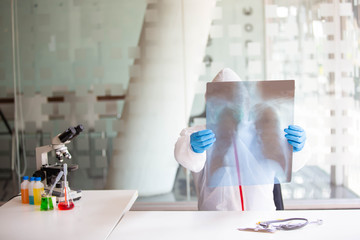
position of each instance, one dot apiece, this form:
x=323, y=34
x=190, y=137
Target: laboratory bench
x=94, y=216
x=337, y=224
x=108, y=214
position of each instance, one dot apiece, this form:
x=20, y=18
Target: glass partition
x=134, y=74
x=9, y=168
x=316, y=43
x=125, y=70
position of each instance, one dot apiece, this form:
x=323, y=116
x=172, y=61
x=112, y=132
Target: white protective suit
x=226, y=198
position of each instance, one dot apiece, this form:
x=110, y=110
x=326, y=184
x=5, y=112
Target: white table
x=337, y=224
x=94, y=217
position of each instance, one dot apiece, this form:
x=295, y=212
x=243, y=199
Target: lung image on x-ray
x=248, y=119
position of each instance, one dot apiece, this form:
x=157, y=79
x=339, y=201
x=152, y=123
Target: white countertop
x=94, y=217
x=337, y=224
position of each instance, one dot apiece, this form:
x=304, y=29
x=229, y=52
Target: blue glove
x=296, y=136
x=202, y=140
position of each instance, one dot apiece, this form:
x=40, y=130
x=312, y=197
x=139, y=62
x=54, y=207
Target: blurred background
x=134, y=73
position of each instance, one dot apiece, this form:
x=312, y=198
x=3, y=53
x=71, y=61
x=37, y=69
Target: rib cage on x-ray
x=248, y=119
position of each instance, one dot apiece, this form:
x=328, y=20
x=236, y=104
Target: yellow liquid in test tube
x=38, y=191
x=37, y=195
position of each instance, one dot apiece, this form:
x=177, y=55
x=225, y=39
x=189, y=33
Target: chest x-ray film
x=248, y=119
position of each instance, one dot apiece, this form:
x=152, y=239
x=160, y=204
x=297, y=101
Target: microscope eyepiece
x=79, y=128
x=68, y=134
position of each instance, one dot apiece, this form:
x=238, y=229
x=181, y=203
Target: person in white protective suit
x=190, y=152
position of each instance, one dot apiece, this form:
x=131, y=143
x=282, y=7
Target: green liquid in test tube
x=46, y=203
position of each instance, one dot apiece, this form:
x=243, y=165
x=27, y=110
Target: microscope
x=48, y=172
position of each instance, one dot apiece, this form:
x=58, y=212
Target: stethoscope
x=281, y=224
x=287, y=224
